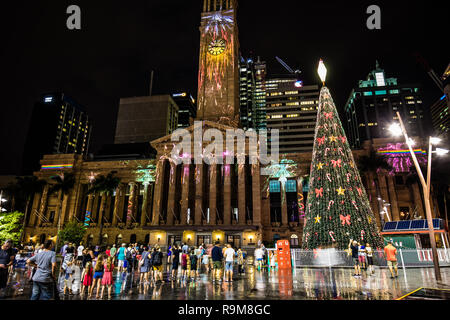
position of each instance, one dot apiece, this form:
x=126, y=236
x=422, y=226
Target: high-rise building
x=252, y=94
x=187, y=109
x=59, y=125
x=143, y=119
x=372, y=107
x=440, y=115
x=293, y=111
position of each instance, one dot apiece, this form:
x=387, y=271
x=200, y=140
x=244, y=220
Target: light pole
x=398, y=130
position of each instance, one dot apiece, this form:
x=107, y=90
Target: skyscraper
x=373, y=104
x=440, y=115
x=59, y=125
x=252, y=93
x=187, y=109
x=293, y=111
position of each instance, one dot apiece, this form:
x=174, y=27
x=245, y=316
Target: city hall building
x=160, y=201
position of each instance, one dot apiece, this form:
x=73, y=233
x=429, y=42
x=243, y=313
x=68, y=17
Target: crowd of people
x=98, y=266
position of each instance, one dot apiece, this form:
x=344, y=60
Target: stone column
x=119, y=193
x=241, y=194
x=131, y=203
x=89, y=205
x=64, y=208
x=213, y=194
x=34, y=208
x=198, y=194
x=393, y=196
x=256, y=190
x=95, y=206
x=284, y=213
x=145, y=201
x=227, y=194
x=172, y=194
x=157, y=202
x=43, y=206
x=418, y=199
x=102, y=204
x=184, y=194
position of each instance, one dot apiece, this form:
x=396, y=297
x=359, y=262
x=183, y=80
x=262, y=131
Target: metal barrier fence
x=340, y=258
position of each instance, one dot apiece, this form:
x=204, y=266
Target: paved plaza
x=300, y=284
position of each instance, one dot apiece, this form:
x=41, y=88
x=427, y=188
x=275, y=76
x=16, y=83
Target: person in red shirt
x=391, y=258
x=108, y=251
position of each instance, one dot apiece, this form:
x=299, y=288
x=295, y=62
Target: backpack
x=157, y=259
x=128, y=255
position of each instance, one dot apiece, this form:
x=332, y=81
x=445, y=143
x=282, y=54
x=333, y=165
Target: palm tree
x=62, y=185
x=29, y=186
x=369, y=166
x=106, y=187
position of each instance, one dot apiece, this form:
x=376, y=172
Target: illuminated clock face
x=217, y=47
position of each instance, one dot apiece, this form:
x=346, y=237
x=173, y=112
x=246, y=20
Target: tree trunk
x=100, y=219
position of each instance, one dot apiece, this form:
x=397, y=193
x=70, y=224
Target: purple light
x=400, y=162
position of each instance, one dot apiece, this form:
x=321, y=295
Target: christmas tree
x=337, y=207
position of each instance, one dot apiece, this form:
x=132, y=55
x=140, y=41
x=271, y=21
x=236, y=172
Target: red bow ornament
x=336, y=163
x=345, y=219
x=328, y=115
x=319, y=192
x=321, y=140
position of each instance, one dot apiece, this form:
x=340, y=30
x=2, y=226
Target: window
x=367, y=93
x=380, y=92
x=404, y=213
x=274, y=186
x=294, y=240
x=291, y=186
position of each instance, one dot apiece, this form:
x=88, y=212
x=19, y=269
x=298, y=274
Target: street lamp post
x=426, y=190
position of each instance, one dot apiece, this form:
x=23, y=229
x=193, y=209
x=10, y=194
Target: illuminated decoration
x=56, y=166
x=336, y=192
x=399, y=157
x=322, y=71
x=87, y=219
x=299, y=84
x=217, y=63
x=146, y=173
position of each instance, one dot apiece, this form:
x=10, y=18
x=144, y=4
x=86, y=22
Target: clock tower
x=218, y=79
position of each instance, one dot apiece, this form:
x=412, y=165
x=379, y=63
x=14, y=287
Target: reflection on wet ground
x=299, y=284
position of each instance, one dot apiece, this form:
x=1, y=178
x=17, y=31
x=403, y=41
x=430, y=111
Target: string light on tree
x=335, y=185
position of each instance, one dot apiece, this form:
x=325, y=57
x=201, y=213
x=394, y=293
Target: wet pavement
x=299, y=284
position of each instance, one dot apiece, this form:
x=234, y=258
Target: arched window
x=104, y=239
x=147, y=239
x=42, y=238
x=133, y=238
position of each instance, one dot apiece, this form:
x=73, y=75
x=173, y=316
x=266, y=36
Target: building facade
x=143, y=119
x=58, y=125
x=293, y=111
x=372, y=107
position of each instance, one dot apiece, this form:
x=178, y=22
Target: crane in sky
x=299, y=82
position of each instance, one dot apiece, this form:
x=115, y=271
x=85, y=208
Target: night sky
x=121, y=41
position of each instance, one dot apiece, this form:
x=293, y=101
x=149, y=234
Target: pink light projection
x=399, y=160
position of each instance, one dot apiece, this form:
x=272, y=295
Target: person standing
x=391, y=257
x=107, y=279
x=87, y=278
x=193, y=258
x=362, y=256
x=169, y=257
x=369, y=253
x=175, y=261
x=259, y=256
x=62, y=252
x=121, y=257
x=144, y=266
x=80, y=253
x=98, y=275
x=353, y=246
x=6, y=260
x=185, y=248
x=113, y=253
x=229, y=260
x=240, y=261
x=157, y=261
x=45, y=276
x=216, y=257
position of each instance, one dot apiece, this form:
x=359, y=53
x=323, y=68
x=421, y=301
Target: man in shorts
x=157, y=263
x=391, y=258
x=354, y=246
x=216, y=256
x=229, y=259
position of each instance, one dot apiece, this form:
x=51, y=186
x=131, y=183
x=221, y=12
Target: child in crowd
x=107, y=279
x=87, y=277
